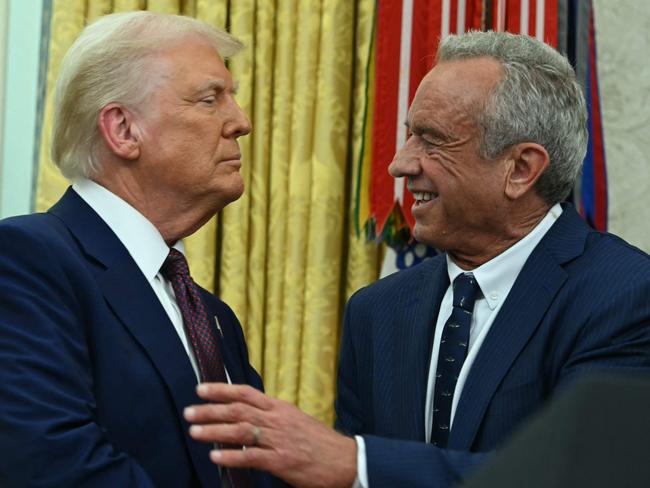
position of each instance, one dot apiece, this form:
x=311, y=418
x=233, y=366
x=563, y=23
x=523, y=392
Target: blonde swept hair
x=112, y=62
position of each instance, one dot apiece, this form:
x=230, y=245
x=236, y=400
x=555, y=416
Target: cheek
x=432, y=166
x=444, y=163
x=170, y=140
x=490, y=186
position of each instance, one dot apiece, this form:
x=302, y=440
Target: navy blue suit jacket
x=93, y=376
x=581, y=303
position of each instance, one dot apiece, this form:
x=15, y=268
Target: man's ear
x=119, y=131
x=528, y=162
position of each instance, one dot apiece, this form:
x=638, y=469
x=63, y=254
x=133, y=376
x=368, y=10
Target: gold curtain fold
x=324, y=264
x=68, y=19
x=283, y=64
x=287, y=253
x=363, y=258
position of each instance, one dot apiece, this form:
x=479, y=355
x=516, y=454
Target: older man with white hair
x=442, y=362
x=103, y=333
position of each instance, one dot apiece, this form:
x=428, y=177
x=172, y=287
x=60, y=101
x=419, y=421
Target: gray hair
x=112, y=61
x=537, y=100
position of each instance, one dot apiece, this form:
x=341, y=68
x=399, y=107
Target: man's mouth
x=421, y=197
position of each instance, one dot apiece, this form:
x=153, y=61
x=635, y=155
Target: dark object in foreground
x=597, y=434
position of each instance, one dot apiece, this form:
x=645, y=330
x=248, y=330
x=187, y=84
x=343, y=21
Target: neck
x=174, y=219
x=489, y=245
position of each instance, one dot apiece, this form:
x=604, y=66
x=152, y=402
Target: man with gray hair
x=103, y=333
x=441, y=362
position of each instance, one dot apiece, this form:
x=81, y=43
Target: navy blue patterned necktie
x=202, y=335
x=452, y=353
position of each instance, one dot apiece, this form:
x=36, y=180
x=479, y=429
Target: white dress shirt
x=495, y=278
x=145, y=245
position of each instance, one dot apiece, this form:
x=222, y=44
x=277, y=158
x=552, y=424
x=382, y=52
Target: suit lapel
x=535, y=288
x=413, y=339
x=130, y=296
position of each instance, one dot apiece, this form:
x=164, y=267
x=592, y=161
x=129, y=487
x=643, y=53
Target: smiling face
x=189, y=155
x=459, y=195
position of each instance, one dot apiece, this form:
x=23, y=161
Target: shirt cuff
x=362, y=464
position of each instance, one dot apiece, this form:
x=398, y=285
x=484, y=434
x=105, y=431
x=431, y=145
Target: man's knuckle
x=242, y=430
x=246, y=393
x=256, y=457
x=236, y=411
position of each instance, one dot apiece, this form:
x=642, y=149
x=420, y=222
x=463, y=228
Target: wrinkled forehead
x=452, y=96
x=457, y=85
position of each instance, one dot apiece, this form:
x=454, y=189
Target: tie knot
x=465, y=291
x=175, y=265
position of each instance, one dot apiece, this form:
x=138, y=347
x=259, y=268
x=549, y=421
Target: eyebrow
x=217, y=85
x=422, y=129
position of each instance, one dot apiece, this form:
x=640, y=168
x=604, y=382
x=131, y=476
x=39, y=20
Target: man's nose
x=406, y=161
x=238, y=124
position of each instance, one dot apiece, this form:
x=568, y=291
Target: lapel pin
x=216, y=321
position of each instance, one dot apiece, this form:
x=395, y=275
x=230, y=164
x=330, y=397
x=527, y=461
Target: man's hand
x=279, y=438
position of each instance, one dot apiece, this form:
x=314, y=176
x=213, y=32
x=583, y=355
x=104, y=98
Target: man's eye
x=428, y=143
x=209, y=100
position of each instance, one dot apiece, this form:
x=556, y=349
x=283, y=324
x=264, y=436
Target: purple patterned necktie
x=201, y=332
x=202, y=335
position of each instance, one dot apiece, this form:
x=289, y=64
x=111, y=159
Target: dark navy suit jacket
x=581, y=303
x=93, y=376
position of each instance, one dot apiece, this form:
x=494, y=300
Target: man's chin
x=420, y=233
x=233, y=194
x=237, y=193
x=426, y=235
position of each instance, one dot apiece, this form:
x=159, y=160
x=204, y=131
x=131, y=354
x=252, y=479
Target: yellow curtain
x=284, y=256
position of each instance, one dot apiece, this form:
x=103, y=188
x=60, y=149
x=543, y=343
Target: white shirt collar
x=140, y=237
x=497, y=276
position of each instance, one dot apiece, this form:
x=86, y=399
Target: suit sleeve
x=48, y=432
x=393, y=462
x=390, y=462
x=348, y=407
x=616, y=334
